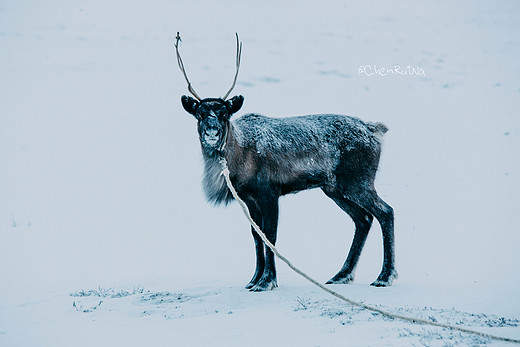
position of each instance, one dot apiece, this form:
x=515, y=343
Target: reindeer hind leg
x=384, y=213
x=363, y=221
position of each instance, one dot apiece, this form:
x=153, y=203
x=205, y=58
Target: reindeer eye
x=220, y=114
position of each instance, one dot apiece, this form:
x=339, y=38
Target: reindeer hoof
x=251, y=284
x=385, y=279
x=264, y=285
x=341, y=279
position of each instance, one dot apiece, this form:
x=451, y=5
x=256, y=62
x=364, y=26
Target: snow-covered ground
x=105, y=237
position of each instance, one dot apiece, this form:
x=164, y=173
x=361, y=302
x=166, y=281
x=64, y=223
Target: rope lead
x=225, y=173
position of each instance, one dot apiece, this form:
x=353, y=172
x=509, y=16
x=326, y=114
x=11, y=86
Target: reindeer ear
x=190, y=105
x=234, y=104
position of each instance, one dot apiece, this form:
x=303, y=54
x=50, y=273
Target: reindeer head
x=213, y=118
x=212, y=114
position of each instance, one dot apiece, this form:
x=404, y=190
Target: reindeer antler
x=239, y=54
x=181, y=66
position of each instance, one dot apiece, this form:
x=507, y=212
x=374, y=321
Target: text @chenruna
x=397, y=70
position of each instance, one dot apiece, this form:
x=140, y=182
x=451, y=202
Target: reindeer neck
x=213, y=182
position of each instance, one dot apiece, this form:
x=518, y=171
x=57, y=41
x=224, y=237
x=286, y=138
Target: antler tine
x=181, y=66
x=239, y=55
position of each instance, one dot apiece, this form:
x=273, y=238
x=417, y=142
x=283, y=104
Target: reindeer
x=272, y=157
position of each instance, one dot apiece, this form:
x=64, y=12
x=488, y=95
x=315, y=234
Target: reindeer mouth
x=211, y=140
x=213, y=137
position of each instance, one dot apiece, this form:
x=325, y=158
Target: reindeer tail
x=378, y=128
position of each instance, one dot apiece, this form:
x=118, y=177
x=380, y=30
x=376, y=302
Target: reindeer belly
x=302, y=172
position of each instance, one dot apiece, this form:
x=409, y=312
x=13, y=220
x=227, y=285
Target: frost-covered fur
x=271, y=157
x=213, y=182
x=287, y=150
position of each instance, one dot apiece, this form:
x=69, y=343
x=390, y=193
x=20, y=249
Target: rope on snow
x=225, y=173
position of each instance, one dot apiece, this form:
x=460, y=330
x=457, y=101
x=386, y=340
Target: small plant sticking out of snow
x=429, y=337
x=456, y=317
x=302, y=304
x=164, y=297
x=162, y=301
x=348, y=315
x=108, y=293
x=100, y=293
x=80, y=307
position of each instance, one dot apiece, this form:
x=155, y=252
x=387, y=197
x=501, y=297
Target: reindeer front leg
x=268, y=207
x=259, y=245
x=260, y=261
